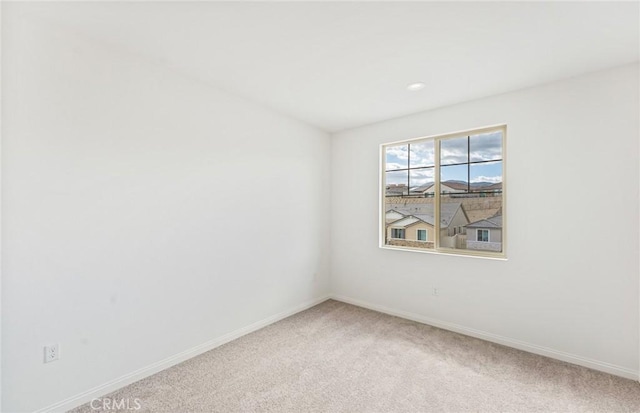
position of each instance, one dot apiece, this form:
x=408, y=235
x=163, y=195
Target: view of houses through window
x=445, y=193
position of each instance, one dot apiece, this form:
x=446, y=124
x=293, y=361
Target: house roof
x=421, y=189
x=425, y=213
x=396, y=211
x=458, y=186
x=405, y=222
x=493, y=222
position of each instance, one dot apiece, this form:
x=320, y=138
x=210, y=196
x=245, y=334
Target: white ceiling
x=342, y=65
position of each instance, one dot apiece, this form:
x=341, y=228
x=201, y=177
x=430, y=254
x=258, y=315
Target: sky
x=482, y=147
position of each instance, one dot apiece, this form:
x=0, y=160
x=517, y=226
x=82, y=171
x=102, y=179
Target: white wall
x=140, y=217
x=570, y=285
x=144, y=213
x=1, y=94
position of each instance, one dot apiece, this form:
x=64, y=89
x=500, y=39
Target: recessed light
x=415, y=86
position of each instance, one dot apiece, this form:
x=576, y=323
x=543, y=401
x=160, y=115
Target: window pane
x=454, y=178
x=486, y=146
x=408, y=217
x=422, y=154
x=453, y=151
x=486, y=177
x=397, y=157
x=471, y=193
x=421, y=182
x=397, y=233
x=396, y=183
x=471, y=221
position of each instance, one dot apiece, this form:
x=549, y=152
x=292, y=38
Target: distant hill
x=473, y=184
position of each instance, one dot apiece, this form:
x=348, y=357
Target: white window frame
x=426, y=235
x=478, y=233
x=404, y=232
x=437, y=248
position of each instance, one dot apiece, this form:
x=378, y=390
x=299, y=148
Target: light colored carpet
x=337, y=357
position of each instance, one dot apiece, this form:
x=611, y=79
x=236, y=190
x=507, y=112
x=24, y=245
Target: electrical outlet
x=435, y=292
x=51, y=353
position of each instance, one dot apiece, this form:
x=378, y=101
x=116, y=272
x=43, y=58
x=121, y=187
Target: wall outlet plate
x=51, y=353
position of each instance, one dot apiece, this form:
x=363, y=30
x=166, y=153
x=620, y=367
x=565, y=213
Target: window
x=454, y=184
x=483, y=235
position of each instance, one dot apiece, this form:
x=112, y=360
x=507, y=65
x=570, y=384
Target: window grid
x=478, y=191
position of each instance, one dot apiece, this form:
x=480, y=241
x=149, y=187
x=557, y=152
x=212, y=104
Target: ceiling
x=338, y=65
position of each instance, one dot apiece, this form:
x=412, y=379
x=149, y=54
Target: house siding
x=458, y=220
x=494, y=244
x=484, y=246
x=411, y=232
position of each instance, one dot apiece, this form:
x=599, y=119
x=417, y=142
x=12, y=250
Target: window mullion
x=468, y=164
x=408, y=169
x=436, y=205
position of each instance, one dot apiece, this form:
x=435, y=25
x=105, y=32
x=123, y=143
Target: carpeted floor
x=336, y=357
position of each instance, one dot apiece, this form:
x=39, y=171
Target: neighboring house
x=411, y=228
x=452, y=187
x=496, y=188
x=415, y=223
x=396, y=190
x=453, y=219
x=485, y=235
x=429, y=190
x=393, y=215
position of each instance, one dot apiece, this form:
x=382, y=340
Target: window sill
x=496, y=257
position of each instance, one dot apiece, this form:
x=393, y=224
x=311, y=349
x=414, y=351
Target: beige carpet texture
x=337, y=357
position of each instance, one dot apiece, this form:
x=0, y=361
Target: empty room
x=320, y=206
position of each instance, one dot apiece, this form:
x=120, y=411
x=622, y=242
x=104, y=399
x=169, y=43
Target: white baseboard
x=147, y=371
x=506, y=341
